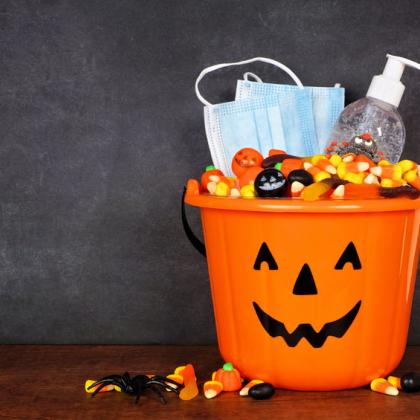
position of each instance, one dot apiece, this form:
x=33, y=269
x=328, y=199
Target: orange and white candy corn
x=326, y=165
x=393, y=172
x=296, y=188
x=212, y=389
x=383, y=386
x=244, y=391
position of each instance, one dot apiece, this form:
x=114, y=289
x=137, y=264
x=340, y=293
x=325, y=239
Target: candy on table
x=248, y=191
x=300, y=175
x=383, y=386
x=106, y=388
x=315, y=191
x=244, y=159
x=403, y=191
x=356, y=191
x=212, y=389
x=289, y=165
x=211, y=174
x=229, y=377
x=410, y=382
x=334, y=182
x=249, y=175
x=190, y=389
x=244, y=391
x=175, y=377
x=270, y=183
x=234, y=192
x=262, y=391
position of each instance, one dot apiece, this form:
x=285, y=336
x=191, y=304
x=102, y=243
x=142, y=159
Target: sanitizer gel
x=377, y=113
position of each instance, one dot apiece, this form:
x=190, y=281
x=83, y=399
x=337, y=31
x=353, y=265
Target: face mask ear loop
x=239, y=63
x=251, y=75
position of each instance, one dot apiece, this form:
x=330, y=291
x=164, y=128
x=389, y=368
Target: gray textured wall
x=100, y=128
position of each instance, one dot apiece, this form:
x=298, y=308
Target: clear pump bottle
x=377, y=113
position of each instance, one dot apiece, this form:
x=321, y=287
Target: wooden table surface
x=47, y=382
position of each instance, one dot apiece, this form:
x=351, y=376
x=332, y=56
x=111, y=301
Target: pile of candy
x=332, y=176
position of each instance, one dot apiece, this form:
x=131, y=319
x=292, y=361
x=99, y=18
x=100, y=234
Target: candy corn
x=296, y=188
x=356, y=191
x=244, y=391
x=393, y=172
x=326, y=165
x=106, y=388
x=248, y=191
x=335, y=160
x=212, y=389
x=190, y=389
x=407, y=165
x=383, y=386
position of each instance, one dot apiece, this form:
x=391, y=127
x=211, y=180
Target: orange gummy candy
x=190, y=389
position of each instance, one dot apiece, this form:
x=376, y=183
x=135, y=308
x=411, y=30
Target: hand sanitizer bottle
x=377, y=113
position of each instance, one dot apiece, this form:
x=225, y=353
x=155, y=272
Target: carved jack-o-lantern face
x=305, y=285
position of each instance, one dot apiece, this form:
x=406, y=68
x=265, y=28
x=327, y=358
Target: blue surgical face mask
x=327, y=102
x=281, y=121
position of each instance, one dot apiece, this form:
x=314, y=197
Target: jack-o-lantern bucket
x=310, y=295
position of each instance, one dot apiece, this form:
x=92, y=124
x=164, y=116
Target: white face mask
x=327, y=102
x=284, y=120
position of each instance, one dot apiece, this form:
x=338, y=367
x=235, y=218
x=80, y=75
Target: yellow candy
x=222, y=189
x=316, y=158
x=383, y=386
x=315, y=191
x=341, y=170
x=355, y=178
x=407, y=165
x=248, y=191
x=410, y=176
x=321, y=176
x=384, y=162
x=335, y=160
x=389, y=183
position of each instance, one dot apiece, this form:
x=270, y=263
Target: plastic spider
x=363, y=144
x=137, y=385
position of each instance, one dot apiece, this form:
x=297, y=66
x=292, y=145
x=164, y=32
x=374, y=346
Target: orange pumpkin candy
x=244, y=159
x=210, y=174
x=229, y=377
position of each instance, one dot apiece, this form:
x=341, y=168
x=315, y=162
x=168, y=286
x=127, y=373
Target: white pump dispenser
x=377, y=113
x=387, y=86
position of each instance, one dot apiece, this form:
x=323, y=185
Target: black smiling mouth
x=316, y=339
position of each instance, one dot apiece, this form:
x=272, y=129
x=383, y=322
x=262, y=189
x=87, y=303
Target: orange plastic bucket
x=310, y=295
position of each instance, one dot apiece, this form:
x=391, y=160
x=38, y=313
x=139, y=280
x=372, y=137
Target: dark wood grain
x=47, y=382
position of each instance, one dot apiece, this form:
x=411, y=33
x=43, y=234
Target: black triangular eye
x=349, y=256
x=264, y=255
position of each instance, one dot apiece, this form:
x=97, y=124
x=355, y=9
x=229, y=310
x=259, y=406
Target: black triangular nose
x=305, y=284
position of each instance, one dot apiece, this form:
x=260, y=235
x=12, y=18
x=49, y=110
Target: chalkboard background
x=100, y=128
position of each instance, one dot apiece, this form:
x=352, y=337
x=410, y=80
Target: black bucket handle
x=197, y=244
